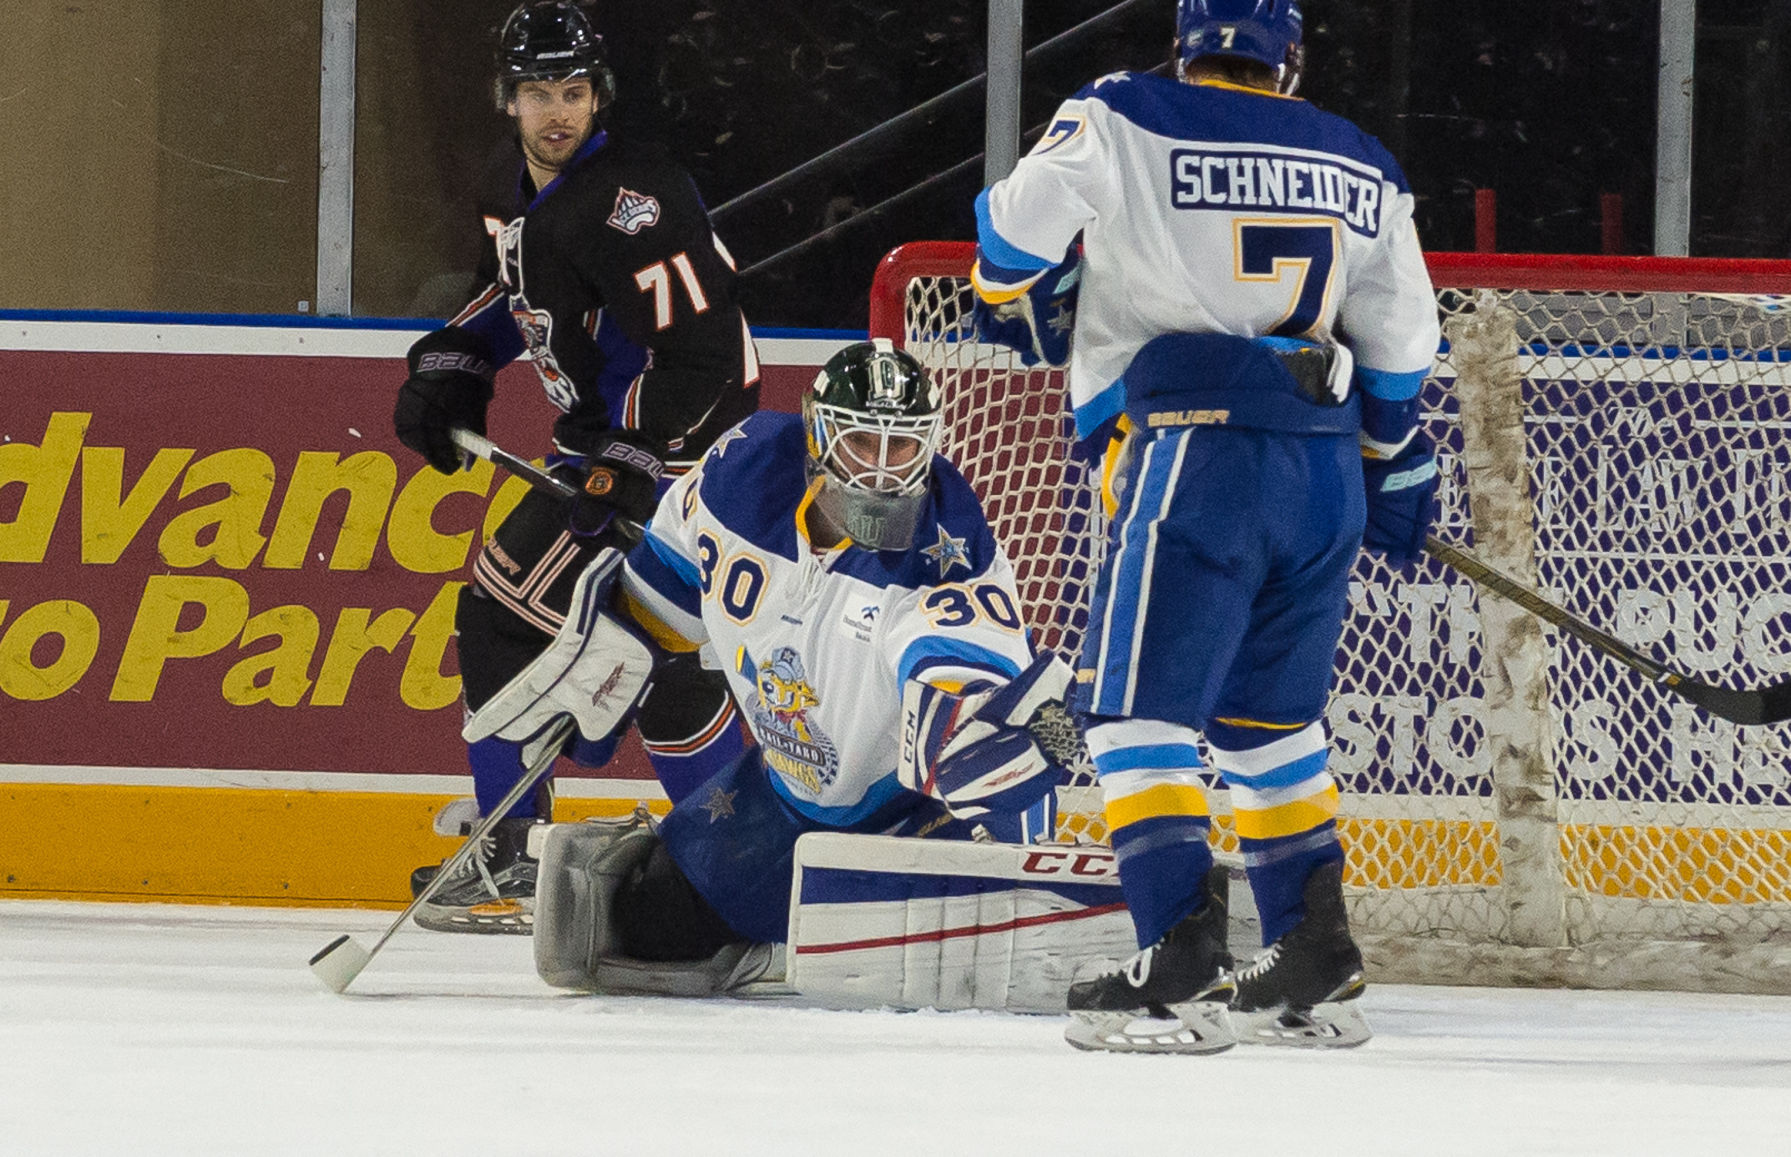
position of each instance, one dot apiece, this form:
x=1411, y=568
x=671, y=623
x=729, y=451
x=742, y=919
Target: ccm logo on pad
x=1079, y=863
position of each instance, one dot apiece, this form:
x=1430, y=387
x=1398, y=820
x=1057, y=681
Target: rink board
x=226, y=608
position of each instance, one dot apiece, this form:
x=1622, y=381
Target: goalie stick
x=481, y=447
x=1763, y=705
x=342, y=959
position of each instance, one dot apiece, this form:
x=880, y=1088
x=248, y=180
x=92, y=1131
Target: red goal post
x=1517, y=807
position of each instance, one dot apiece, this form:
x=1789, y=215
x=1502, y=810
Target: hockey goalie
x=842, y=575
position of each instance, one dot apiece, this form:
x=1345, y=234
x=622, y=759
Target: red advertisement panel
x=228, y=561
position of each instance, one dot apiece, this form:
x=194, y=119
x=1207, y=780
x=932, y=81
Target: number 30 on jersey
x=959, y=605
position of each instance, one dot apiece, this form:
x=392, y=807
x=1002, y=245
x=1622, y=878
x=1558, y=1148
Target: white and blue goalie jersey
x=817, y=647
x=1213, y=208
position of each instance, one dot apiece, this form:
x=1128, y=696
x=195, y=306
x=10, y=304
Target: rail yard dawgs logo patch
x=634, y=211
x=792, y=744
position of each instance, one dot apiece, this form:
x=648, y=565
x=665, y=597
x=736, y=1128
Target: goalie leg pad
x=607, y=891
x=908, y=923
x=596, y=670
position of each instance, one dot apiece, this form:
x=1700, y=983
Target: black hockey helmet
x=875, y=419
x=551, y=40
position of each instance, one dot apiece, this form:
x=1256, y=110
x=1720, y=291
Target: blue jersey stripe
x=671, y=576
x=1105, y=406
x=1389, y=386
x=875, y=797
x=1015, y=262
x=953, y=651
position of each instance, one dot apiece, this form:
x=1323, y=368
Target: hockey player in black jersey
x=602, y=267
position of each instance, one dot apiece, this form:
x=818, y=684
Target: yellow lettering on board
x=284, y=666
x=423, y=686
x=508, y=497
x=352, y=639
x=45, y=472
x=410, y=533
x=237, y=517
x=79, y=630
x=110, y=523
x=369, y=478
x=156, y=636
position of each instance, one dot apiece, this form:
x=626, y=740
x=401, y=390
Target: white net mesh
x=1516, y=805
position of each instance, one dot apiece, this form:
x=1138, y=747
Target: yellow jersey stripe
x=651, y=623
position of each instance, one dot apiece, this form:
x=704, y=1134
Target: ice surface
x=146, y=1029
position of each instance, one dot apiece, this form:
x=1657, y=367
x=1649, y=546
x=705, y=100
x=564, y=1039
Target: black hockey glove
x=1402, y=494
x=623, y=482
x=449, y=385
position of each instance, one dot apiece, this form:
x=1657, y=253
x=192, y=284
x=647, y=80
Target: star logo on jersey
x=720, y=804
x=719, y=447
x=1061, y=322
x=633, y=212
x=947, y=552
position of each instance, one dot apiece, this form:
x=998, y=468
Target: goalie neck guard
x=874, y=421
x=1266, y=31
x=551, y=40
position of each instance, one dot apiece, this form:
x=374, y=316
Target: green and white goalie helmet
x=875, y=420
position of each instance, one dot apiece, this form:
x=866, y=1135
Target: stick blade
x=1751, y=708
x=339, y=962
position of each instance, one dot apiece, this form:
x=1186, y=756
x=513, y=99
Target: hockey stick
x=1770, y=704
x=342, y=959
x=481, y=447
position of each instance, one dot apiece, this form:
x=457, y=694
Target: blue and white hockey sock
x=1157, y=821
x=1285, y=805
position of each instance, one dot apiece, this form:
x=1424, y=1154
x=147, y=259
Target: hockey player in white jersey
x=842, y=574
x=1253, y=323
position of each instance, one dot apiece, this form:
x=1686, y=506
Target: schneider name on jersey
x=817, y=647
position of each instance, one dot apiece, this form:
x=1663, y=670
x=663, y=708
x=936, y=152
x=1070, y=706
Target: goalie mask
x=874, y=422
x=551, y=40
x=1268, y=31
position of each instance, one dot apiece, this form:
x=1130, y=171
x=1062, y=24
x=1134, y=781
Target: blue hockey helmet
x=1268, y=31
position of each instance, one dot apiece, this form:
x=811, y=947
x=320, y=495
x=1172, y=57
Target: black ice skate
x=1293, y=994
x=1171, y=997
x=493, y=891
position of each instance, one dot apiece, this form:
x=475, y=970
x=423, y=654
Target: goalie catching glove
x=996, y=751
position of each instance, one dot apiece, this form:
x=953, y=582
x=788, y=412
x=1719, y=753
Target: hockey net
x=1517, y=807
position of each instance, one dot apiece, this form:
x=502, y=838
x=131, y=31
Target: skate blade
x=514, y=917
x=1326, y=1026
x=1197, y=1027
